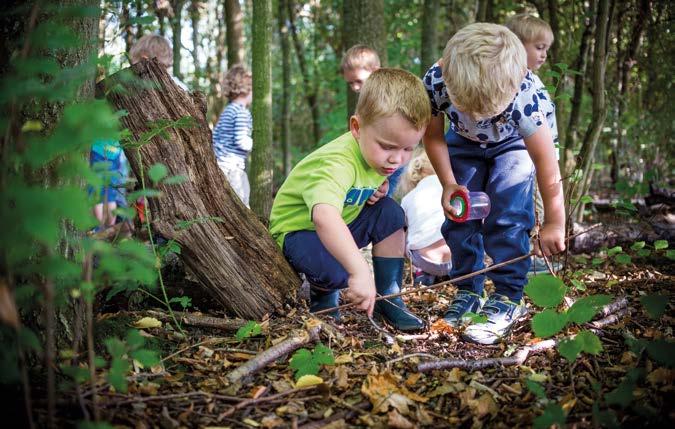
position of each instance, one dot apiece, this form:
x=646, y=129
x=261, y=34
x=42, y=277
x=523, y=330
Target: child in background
x=328, y=208
x=537, y=38
x=232, y=134
x=358, y=63
x=495, y=138
x=107, y=160
x=155, y=46
x=425, y=245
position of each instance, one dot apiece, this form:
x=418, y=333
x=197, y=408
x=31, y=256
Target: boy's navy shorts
x=307, y=255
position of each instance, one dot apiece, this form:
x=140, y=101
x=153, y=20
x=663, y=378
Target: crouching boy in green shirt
x=329, y=206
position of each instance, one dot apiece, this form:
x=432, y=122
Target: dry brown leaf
x=661, y=376
x=423, y=417
x=413, y=379
x=344, y=358
x=256, y=391
x=568, y=402
x=484, y=405
x=147, y=322
x=342, y=377
x=383, y=391
x=441, y=326
x=337, y=424
x=397, y=421
x=455, y=375
x=271, y=421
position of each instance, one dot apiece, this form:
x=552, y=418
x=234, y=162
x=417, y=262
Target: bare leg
x=392, y=246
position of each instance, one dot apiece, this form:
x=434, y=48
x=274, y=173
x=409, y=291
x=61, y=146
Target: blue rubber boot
x=388, y=280
x=321, y=300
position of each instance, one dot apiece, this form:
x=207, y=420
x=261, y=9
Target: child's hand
x=379, y=193
x=552, y=239
x=361, y=291
x=445, y=199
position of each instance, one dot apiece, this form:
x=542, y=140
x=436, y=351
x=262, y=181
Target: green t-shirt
x=334, y=174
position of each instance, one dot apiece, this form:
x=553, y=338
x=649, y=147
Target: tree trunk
x=235, y=259
x=194, y=20
x=484, y=11
x=599, y=113
x=261, y=156
x=126, y=27
x=308, y=83
x=429, y=52
x=554, y=52
x=139, y=14
x=285, y=87
x=363, y=23
x=571, y=133
x=235, y=32
x=176, y=30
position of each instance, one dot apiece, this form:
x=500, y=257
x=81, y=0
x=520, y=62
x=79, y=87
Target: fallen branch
x=613, y=307
x=229, y=325
x=275, y=352
x=520, y=356
x=254, y=401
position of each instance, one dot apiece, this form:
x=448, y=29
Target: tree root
x=275, y=352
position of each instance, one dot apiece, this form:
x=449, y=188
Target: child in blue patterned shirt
x=232, y=135
x=497, y=130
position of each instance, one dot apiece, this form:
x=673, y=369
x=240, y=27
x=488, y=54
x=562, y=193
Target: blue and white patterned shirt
x=232, y=134
x=530, y=106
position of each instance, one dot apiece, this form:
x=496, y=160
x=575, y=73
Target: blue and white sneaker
x=501, y=313
x=465, y=302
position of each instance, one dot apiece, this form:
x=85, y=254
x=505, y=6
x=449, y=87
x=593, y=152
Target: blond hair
x=483, y=66
x=360, y=57
x=418, y=168
x=530, y=28
x=152, y=46
x=389, y=91
x=237, y=81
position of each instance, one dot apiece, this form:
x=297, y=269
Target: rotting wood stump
x=236, y=260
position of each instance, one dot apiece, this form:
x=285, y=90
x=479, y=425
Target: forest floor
x=376, y=382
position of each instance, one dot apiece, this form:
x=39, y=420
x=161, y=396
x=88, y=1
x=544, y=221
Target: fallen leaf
x=271, y=421
x=396, y=420
x=342, y=377
x=308, y=380
x=344, y=358
x=568, y=402
x=441, y=326
x=661, y=376
x=147, y=322
x=484, y=405
x=413, y=379
x=383, y=391
x=446, y=388
x=251, y=422
x=455, y=375
x=257, y=391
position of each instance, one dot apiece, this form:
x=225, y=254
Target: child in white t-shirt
x=425, y=245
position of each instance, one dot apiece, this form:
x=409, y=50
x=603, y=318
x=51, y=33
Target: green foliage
x=584, y=341
x=306, y=362
x=474, y=317
x=535, y=388
x=553, y=415
x=548, y=323
x=250, y=329
x=623, y=394
x=122, y=353
x=655, y=305
x=585, y=308
x=546, y=291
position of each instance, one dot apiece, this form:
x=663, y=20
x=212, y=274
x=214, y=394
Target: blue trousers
x=505, y=172
x=306, y=254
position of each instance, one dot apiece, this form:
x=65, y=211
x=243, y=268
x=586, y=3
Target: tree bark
x=176, y=30
x=428, y=51
x=235, y=32
x=599, y=113
x=194, y=20
x=235, y=260
x=363, y=23
x=554, y=51
x=261, y=156
x=285, y=86
x=126, y=27
x=139, y=14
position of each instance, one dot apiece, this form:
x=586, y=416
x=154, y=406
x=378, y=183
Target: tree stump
x=236, y=260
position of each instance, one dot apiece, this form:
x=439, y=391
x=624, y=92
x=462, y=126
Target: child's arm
x=437, y=150
x=336, y=237
x=552, y=234
x=241, y=131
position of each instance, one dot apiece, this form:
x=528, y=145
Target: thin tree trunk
x=554, y=51
x=285, y=86
x=261, y=156
x=126, y=27
x=363, y=23
x=599, y=112
x=194, y=19
x=308, y=83
x=234, y=23
x=484, y=11
x=429, y=52
x=139, y=24
x=176, y=30
x=572, y=131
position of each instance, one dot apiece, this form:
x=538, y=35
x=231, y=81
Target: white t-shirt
x=424, y=213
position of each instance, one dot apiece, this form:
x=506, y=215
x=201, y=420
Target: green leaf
x=670, y=254
x=623, y=258
x=597, y=261
x=605, y=418
x=590, y=343
x=553, y=415
x=28, y=340
x=184, y=301
x=117, y=374
x=584, y=309
x=157, y=172
x=134, y=339
x=147, y=358
x=474, y=317
x=323, y=355
x=614, y=250
x=578, y=284
x=623, y=394
x=662, y=351
x=250, y=329
x=570, y=348
x=644, y=253
x=660, y=244
x=115, y=347
x=586, y=199
x=303, y=363
x=548, y=323
x=546, y=291
x=536, y=388
x=655, y=305
x=638, y=245
x=175, y=180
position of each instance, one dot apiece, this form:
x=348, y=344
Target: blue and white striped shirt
x=232, y=134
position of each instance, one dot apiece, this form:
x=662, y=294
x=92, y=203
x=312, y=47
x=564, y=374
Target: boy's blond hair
x=237, y=81
x=529, y=28
x=389, y=91
x=360, y=57
x=483, y=66
x=152, y=46
x=418, y=168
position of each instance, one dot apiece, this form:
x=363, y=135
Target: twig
x=273, y=353
x=612, y=307
x=254, y=401
x=388, y=338
x=50, y=316
x=228, y=325
x=89, y=312
x=448, y=282
x=174, y=396
x=412, y=355
x=611, y=319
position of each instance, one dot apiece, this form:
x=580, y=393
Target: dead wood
x=227, y=247
x=620, y=233
x=292, y=343
x=228, y=325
